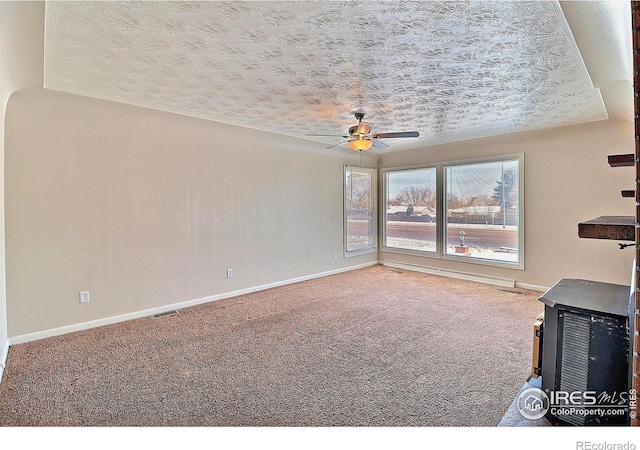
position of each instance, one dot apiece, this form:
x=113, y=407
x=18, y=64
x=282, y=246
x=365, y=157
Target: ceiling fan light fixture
x=364, y=129
x=360, y=144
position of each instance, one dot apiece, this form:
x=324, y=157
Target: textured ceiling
x=450, y=70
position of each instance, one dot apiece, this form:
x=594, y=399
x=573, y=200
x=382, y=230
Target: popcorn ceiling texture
x=450, y=70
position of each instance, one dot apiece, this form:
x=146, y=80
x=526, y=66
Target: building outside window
x=410, y=201
x=470, y=211
x=482, y=203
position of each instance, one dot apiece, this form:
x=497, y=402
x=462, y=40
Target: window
x=360, y=211
x=483, y=211
x=465, y=210
x=410, y=200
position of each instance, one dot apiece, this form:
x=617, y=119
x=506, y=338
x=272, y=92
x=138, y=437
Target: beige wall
x=567, y=181
x=21, y=66
x=145, y=209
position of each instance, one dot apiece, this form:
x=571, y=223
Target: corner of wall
x=22, y=64
x=4, y=352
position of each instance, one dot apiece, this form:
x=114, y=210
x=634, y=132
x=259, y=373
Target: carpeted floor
x=372, y=347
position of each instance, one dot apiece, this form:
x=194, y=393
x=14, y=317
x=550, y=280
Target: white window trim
x=374, y=201
x=441, y=216
x=383, y=212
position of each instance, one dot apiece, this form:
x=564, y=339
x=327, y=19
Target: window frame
x=383, y=211
x=519, y=158
x=441, y=224
x=373, y=173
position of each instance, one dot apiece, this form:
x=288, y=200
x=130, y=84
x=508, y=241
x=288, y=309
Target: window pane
x=411, y=209
x=482, y=204
x=359, y=190
x=360, y=230
x=360, y=211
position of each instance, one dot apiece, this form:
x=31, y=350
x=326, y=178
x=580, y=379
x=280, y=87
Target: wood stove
x=581, y=350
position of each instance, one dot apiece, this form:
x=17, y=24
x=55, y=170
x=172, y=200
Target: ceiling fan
x=361, y=138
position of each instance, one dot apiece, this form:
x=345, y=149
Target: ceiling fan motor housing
x=361, y=137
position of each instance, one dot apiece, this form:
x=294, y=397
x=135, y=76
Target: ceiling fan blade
x=379, y=144
x=335, y=145
x=328, y=135
x=402, y=134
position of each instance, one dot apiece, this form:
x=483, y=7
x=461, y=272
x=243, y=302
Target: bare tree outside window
x=480, y=200
x=411, y=203
x=486, y=208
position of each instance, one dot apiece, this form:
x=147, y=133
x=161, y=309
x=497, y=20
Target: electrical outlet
x=84, y=297
x=335, y=256
x=229, y=273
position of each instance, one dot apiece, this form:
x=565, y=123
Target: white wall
x=145, y=209
x=21, y=66
x=567, y=181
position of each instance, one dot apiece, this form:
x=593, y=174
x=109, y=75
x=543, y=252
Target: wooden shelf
x=628, y=193
x=616, y=228
x=622, y=160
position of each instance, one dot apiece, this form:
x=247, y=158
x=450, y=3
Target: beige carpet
x=372, y=347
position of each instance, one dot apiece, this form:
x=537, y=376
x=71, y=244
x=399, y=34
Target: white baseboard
x=466, y=276
x=452, y=274
x=149, y=312
x=531, y=287
x=4, y=352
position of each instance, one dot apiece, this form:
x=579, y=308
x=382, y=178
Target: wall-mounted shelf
x=627, y=160
x=616, y=228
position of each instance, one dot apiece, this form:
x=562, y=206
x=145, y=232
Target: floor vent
x=165, y=314
x=510, y=292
